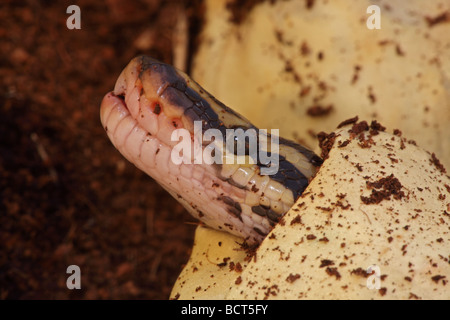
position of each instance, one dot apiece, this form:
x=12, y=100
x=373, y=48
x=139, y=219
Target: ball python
x=155, y=116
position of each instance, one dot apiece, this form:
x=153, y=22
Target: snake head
x=152, y=100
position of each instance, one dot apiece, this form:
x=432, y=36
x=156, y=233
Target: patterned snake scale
x=150, y=100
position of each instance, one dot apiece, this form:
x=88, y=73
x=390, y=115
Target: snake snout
x=121, y=85
x=127, y=77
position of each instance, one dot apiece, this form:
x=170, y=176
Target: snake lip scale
x=151, y=100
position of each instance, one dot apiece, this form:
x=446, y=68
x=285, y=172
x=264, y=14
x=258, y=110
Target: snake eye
x=156, y=108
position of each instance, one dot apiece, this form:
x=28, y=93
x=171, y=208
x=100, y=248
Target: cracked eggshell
x=378, y=201
x=208, y=274
x=306, y=65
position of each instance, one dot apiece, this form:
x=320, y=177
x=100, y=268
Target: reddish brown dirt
x=84, y=204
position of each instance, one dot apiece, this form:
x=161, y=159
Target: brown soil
x=67, y=197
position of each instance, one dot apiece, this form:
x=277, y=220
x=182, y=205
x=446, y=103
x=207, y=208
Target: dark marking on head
x=192, y=95
x=176, y=98
x=258, y=231
x=310, y=155
x=268, y=213
x=259, y=210
x=234, y=183
x=179, y=93
x=273, y=216
x=233, y=207
x=157, y=109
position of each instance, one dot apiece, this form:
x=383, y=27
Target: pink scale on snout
x=134, y=142
x=132, y=99
x=121, y=133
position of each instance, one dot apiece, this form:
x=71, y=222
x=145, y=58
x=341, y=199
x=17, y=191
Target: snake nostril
x=121, y=97
x=176, y=123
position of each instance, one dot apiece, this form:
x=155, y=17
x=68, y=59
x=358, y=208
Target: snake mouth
x=113, y=111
